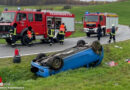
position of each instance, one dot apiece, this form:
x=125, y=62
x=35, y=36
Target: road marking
x=28, y=54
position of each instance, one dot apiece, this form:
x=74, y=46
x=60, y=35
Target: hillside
x=121, y=8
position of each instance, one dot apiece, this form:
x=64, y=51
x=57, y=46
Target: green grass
x=121, y=8
x=102, y=77
x=78, y=32
x=2, y=41
x=99, y=78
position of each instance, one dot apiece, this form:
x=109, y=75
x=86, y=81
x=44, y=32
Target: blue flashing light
x=6, y=9
x=98, y=12
x=19, y=8
x=87, y=12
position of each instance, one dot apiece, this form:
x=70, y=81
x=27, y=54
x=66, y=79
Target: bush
x=67, y=7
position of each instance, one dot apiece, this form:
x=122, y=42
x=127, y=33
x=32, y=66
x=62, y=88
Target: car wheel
x=80, y=43
x=9, y=42
x=41, y=55
x=56, y=63
x=96, y=47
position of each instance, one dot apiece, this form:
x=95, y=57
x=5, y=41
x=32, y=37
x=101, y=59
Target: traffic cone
x=17, y=57
x=1, y=83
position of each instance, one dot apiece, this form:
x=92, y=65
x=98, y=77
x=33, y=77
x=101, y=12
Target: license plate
x=91, y=30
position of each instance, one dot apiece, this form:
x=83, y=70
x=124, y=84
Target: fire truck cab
x=91, y=21
x=39, y=20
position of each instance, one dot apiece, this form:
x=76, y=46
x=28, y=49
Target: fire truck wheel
x=96, y=47
x=80, y=43
x=9, y=42
x=41, y=55
x=25, y=40
x=56, y=63
x=88, y=34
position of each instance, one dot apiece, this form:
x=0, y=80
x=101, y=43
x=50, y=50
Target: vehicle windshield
x=93, y=18
x=7, y=16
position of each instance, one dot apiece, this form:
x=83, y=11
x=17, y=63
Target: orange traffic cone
x=17, y=57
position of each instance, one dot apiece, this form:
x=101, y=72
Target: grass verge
x=121, y=8
x=102, y=77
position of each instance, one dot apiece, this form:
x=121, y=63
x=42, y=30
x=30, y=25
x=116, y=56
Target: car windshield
x=7, y=16
x=93, y=18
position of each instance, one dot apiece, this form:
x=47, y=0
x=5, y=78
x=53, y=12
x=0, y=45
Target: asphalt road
x=122, y=34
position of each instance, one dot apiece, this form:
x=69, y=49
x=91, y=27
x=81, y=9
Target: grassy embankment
x=102, y=77
x=121, y=8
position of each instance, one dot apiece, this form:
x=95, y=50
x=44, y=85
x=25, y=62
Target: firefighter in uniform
x=13, y=34
x=62, y=33
x=51, y=33
x=112, y=34
x=30, y=35
x=99, y=30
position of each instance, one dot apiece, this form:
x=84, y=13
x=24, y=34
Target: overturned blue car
x=80, y=55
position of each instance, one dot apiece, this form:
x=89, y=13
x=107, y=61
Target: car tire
x=96, y=47
x=41, y=55
x=56, y=63
x=81, y=43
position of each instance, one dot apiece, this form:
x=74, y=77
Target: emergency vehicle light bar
x=5, y=9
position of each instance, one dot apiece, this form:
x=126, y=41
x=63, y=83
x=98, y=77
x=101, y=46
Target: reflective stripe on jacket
x=51, y=32
x=113, y=31
x=61, y=33
x=113, y=34
x=13, y=31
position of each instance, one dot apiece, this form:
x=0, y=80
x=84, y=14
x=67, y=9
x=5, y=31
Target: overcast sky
x=99, y=0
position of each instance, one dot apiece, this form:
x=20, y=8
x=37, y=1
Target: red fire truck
x=91, y=21
x=39, y=20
